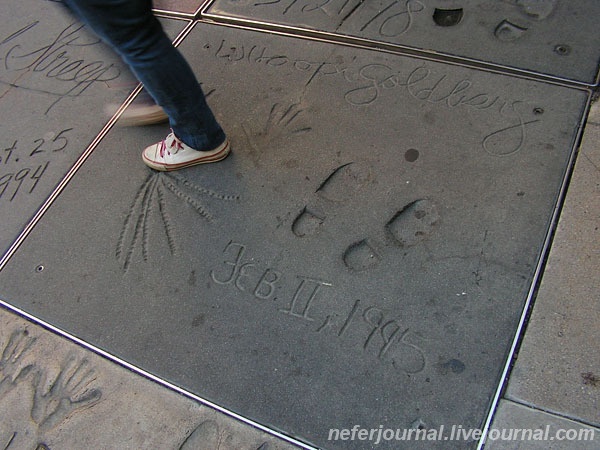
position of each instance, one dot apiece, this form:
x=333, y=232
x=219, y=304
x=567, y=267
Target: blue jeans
x=130, y=27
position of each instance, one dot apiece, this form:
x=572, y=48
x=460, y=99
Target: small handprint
x=12, y=370
x=283, y=121
x=69, y=392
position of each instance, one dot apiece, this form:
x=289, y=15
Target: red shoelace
x=175, y=143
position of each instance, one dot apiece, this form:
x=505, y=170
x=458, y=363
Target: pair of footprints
x=407, y=227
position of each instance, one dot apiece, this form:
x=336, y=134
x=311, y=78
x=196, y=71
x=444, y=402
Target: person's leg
x=132, y=30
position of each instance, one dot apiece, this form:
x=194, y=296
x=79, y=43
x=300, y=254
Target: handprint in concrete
x=71, y=390
x=12, y=368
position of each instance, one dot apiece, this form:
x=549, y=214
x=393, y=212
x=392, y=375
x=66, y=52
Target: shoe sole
x=141, y=120
x=138, y=115
x=216, y=155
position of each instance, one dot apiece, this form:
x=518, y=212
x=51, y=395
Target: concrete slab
x=55, y=80
x=363, y=257
x=55, y=394
x=547, y=36
x=519, y=427
x=558, y=368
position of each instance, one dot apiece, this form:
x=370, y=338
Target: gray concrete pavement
x=56, y=394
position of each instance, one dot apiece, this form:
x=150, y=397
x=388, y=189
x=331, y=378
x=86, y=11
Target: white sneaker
x=172, y=154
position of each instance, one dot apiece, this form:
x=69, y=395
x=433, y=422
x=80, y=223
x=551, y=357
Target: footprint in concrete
x=264, y=446
x=345, y=181
x=407, y=228
x=413, y=223
x=341, y=185
x=204, y=437
x=537, y=9
x=507, y=31
x=208, y=436
x=307, y=223
x=361, y=256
